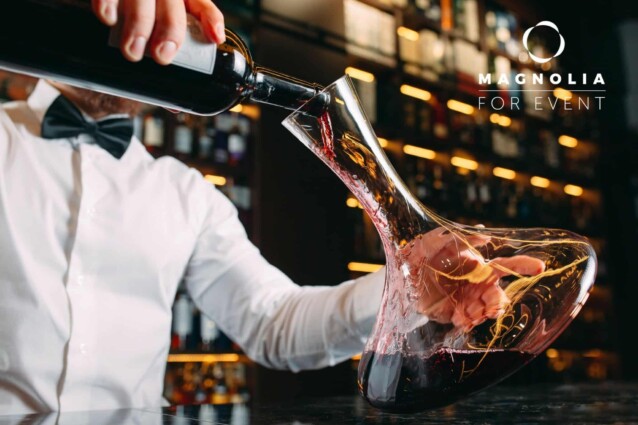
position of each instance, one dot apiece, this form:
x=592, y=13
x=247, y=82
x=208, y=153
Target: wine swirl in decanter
x=463, y=307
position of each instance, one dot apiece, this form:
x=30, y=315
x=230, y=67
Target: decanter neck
x=343, y=138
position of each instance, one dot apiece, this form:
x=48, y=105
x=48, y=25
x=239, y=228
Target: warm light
x=539, y=181
x=383, y=142
x=501, y=120
x=461, y=107
x=353, y=203
x=562, y=94
x=364, y=267
x=416, y=92
x=593, y=353
x=216, y=180
x=407, y=33
x=356, y=357
x=237, y=108
x=504, y=121
x=551, y=353
x=420, y=152
x=568, y=141
x=203, y=358
x=504, y=173
x=461, y=162
x=360, y=74
x=573, y=190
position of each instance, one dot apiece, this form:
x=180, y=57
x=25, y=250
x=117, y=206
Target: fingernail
x=136, y=47
x=220, y=33
x=167, y=50
x=109, y=13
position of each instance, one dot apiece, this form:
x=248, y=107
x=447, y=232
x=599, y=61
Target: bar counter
x=606, y=403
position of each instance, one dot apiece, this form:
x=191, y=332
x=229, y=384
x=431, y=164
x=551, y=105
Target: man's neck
x=76, y=96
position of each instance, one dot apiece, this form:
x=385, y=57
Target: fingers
x=170, y=30
x=518, y=264
x=139, y=17
x=495, y=301
x=105, y=10
x=478, y=303
x=211, y=18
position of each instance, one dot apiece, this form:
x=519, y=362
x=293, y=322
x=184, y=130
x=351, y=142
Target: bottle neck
x=274, y=88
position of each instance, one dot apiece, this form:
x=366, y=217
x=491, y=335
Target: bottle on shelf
x=223, y=126
x=153, y=136
x=206, y=137
x=182, y=321
x=220, y=391
x=421, y=189
x=466, y=20
x=551, y=148
x=204, y=79
x=237, y=140
x=208, y=333
x=241, y=391
x=441, y=196
x=430, y=9
x=441, y=130
x=409, y=117
x=183, y=137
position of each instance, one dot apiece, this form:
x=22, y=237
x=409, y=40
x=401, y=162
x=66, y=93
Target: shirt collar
x=43, y=96
x=41, y=99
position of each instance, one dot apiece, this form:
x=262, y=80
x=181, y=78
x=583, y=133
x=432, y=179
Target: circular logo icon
x=543, y=24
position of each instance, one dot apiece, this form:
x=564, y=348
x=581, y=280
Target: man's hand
x=456, y=284
x=162, y=23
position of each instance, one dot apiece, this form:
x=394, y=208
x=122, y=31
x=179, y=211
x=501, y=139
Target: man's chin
x=99, y=104
x=107, y=104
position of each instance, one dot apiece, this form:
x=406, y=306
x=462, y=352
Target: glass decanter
x=463, y=307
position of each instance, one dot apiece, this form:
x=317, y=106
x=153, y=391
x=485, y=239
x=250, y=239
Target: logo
x=543, y=24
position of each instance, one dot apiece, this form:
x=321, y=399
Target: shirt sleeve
x=277, y=323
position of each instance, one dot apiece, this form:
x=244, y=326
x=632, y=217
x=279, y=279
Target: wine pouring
x=463, y=307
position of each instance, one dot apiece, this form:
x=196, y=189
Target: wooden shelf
x=207, y=358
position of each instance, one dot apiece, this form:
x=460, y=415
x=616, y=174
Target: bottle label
x=196, y=52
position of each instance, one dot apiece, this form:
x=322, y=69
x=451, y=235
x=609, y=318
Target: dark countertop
x=566, y=404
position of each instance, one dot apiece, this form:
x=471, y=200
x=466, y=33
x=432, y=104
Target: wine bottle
x=183, y=137
x=182, y=320
x=62, y=40
x=208, y=333
x=205, y=141
x=236, y=142
x=220, y=142
x=154, y=125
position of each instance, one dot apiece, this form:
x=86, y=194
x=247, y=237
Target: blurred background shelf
x=415, y=64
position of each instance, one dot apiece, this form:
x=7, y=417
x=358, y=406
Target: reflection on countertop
x=602, y=403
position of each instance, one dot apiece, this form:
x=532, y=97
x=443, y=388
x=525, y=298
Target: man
x=94, y=242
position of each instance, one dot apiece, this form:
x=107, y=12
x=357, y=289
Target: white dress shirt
x=92, y=250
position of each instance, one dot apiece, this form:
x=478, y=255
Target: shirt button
x=80, y=280
x=92, y=211
x=84, y=350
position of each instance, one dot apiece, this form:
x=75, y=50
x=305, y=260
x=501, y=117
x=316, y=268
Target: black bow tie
x=63, y=119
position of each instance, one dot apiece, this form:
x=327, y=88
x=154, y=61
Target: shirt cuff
x=368, y=292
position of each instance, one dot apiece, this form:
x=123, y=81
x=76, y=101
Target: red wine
x=327, y=135
x=62, y=40
x=403, y=383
